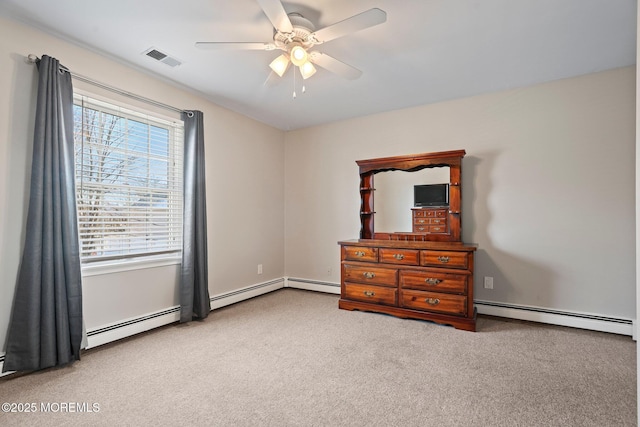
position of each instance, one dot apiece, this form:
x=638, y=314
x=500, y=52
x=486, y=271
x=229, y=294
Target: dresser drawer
x=367, y=274
x=400, y=256
x=437, y=229
x=435, y=213
x=429, y=228
x=358, y=253
x=434, y=301
x=429, y=221
x=449, y=259
x=435, y=282
x=370, y=293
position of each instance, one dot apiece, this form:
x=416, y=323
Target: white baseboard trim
x=133, y=326
x=556, y=317
x=126, y=328
x=228, y=298
x=129, y=327
x=312, y=285
x=513, y=311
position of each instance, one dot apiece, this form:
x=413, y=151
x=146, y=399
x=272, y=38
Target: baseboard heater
x=312, y=285
x=130, y=327
x=557, y=317
x=246, y=290
x=133, y=321
x=170, y=315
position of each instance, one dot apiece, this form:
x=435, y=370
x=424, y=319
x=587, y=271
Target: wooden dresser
x=419, y=280
x=425, y=273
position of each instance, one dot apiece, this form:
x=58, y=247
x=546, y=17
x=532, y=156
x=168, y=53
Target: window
x=128, y=181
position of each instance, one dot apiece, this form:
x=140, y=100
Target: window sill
x=117, y=266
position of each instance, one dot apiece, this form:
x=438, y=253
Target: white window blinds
x=128, y=181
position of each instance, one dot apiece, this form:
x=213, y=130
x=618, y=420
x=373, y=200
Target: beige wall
x=548, y=188
x=245, y=198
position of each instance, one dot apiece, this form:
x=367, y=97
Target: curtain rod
x=32, y=59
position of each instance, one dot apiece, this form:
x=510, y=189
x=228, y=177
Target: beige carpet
x=292, y=358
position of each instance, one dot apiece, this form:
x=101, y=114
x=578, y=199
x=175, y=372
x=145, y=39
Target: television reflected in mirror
x=430, y=195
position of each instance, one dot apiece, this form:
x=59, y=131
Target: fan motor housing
x=302, y=28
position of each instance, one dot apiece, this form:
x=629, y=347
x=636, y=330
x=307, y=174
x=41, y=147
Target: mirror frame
x=412, y=163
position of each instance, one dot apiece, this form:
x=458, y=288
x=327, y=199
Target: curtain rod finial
x=32, y=59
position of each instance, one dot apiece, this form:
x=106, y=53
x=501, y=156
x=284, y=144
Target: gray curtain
x=46, y=319
x=194, y=287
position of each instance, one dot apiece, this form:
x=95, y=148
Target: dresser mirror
x=441, y=224
x=394, y=196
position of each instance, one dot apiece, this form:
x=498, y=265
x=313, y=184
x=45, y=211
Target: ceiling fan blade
x=277, y=15
x=331, y=64
x=357, y=22
x=235, y=46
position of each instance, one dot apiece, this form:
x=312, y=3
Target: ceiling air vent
x=162, y=57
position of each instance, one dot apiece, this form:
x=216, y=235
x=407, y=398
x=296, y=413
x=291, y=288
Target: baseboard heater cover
x=557, y=317
x=228, y=298
x=312, y=285
x=141, y=319
x=129, y=327
x=279, y=283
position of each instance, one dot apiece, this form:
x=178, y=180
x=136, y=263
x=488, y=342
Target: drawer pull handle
x=443, y=259
x=359, y=253
x=432, y=281
x=399, y=257
x=432, y=301
x=369, y=293
x=421, y=228
x=369, y=274
x=421, y=221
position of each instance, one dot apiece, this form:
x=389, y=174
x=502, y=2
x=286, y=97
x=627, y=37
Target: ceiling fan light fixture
x=280, y=64
x=307, y=70
x=298, y=55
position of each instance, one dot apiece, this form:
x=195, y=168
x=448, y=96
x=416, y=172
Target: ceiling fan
x=296, y=36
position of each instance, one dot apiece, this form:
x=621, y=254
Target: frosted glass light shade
x=307, y=70
x=299, y=55
x=280, y=64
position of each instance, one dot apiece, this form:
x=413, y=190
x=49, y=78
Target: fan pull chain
x=304, y=87
x=294, y=83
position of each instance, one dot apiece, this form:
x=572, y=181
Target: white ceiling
x=428, y=50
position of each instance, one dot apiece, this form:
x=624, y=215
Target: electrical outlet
x=488, y=282
x=259, y=268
